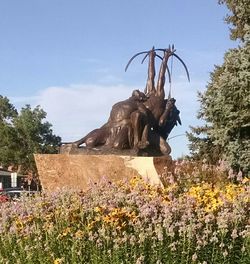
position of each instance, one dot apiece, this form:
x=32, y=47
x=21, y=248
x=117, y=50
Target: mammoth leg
x=92, y=142
x=143, y=143
x=87, y=138
x=121, y=141
x=94, y=138
x=138, y=122
x=130, y=137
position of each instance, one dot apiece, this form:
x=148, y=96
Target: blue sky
x=69, y=56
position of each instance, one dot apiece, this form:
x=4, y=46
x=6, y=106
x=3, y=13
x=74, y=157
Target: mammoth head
x=139, y=96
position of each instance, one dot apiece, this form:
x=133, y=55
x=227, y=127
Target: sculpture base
x=78, y=171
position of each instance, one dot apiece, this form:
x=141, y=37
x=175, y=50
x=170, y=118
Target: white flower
x=194, y=257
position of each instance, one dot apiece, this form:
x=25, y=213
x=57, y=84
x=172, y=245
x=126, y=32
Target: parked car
x=3, y=197
x=16, y=193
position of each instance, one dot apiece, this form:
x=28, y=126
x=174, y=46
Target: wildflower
x=194, y=257
x=29, y=219
x=135, y=181
x=239, y=176
x=58, y=261
x=234, y=234
x=231, y=174
x=98, y=209
x=160, y=235
x=172, y=246
x=222, y=245
x=230, y=247
x=141, y=238
x=79, y=234
x=65, y=232
x=140, y=260
x=48, y=227
x=245, y=180
x=19, y=225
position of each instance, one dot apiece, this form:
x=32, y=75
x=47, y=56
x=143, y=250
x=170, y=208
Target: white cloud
x=75, y=110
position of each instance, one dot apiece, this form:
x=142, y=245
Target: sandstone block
x=77, y=171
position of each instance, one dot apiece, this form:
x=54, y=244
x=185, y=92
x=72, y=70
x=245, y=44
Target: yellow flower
x=58, y=261
x=107, y=219
x=49, y=217
x=48, y=227
x=28, y=219
x=135, y=181
x=245, y=180
x=91, y=225
x=98, y=209
x=79, y=234
x=65, y=232
x=232, y=191
x=206, y=196
x=19, y=225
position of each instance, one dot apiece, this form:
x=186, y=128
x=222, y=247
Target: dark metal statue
x=141, y=123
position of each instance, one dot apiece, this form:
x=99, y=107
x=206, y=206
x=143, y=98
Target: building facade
x=6, y=181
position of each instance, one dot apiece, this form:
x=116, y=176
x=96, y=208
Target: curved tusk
x=148, y=55
x=145, y=57
x=161, y=49
x=183, y=65
x=169, y=75
x=137, y=54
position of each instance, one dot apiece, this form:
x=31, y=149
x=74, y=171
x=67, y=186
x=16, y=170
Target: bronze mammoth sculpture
x=143, y=121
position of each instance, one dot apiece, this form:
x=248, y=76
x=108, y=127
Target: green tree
x=25, y=134
x=225, y=105
x=239, y=18
x=7, y=110
x=201, y=145
x=34, y=136
x=7, y=132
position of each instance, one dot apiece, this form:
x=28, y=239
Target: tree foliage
x=239, y=18
x=225, y=105
x=8, y=111
x=7, y=132
x=23, y=134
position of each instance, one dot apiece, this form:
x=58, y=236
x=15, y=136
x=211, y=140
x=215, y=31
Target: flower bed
x=200, y=216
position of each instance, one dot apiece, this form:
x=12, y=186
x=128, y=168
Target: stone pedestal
x=77, y=171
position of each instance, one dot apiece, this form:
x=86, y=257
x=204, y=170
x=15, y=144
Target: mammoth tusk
x=171, y=50
x=148, y=55
x=137, y=54
x=168, y=49
x=169, y=75
x=183, y=65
